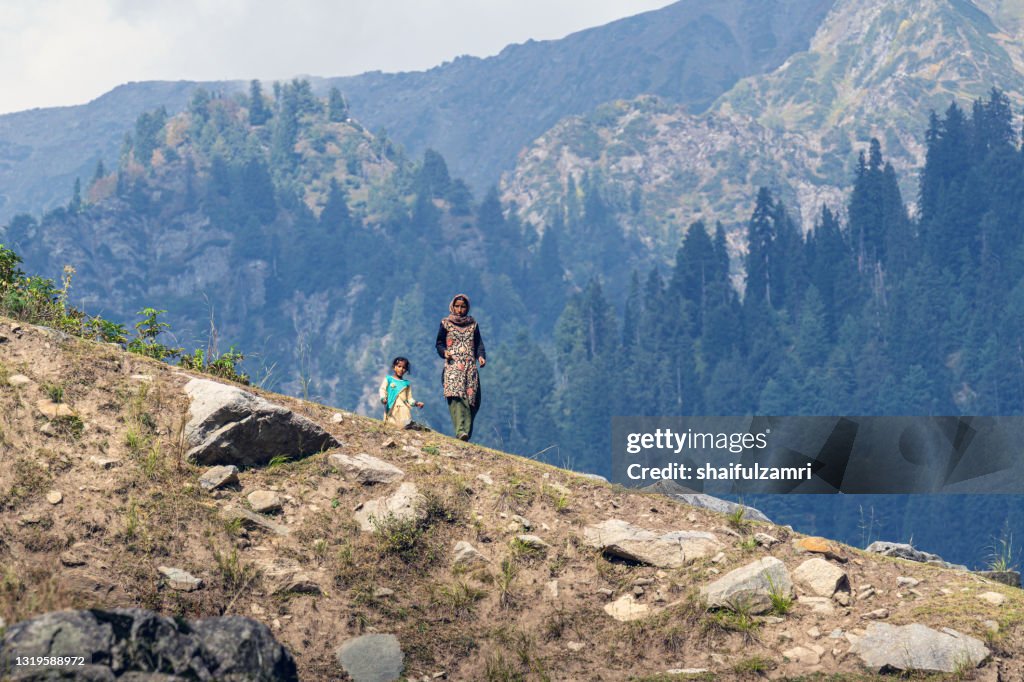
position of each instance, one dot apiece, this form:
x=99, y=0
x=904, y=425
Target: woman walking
x=460, y=344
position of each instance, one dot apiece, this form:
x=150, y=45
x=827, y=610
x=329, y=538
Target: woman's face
x=460, y=307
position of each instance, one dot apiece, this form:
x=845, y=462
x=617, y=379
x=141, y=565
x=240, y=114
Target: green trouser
x=462, y=415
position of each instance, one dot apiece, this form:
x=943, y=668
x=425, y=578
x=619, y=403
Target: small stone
x=337, y=418
x=993, y=598
x=143, y=378
x=465, y=554
x=552, y=589
x=814, y=633
x=904, y=581
x=774, y=620
x=625, y=608
x=264, y=501
x=485, y=479
x=604, y=591
x=765, y=540
x=877, y=614
x=219, y=477
x=802, y=655
x=257, y=610
x=52, y=410
x=18, y=380
x=54, y=497
x=523, y=521
x=297, y=583
x=866, y=593
x=991, y=625
x=104, y=462
x=836, y=634
x=532, y=541
x=659, y=597
x=660, y=575
x=382, y=592
x=276, y=624
x=842, y=598
x=365, y=468
x=817, y=545
x=718, y=558
x=180, y=580
x=389, y=443
x=643, y=582
x=372, y=658
x=575, y=646
x=638, y=591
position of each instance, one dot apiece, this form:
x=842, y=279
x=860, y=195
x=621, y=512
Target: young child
x=396, y=395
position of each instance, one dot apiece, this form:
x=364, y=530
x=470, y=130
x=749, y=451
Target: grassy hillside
x=92, y=502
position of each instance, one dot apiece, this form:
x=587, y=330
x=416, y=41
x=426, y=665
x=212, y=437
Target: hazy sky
x=58, y=52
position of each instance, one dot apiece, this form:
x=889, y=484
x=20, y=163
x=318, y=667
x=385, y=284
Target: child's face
x=400, y=369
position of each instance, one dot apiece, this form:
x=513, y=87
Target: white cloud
x=57, y=52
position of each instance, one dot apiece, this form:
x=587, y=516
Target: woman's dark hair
x=408, y=365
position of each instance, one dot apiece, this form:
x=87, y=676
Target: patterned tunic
x=460, y=378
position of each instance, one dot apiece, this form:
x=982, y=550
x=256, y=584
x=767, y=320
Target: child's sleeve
x=383, y=392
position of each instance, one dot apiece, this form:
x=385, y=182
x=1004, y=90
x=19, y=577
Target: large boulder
x=750, y=587
x=673, y=549
x=888, y=648
x=140, y=644
x=230, y=426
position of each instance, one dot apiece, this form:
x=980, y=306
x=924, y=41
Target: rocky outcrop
x=139, y=644
x=230, y=426
x=717, y=504
x=619, y=538
x=889, y=648
x=822, y=578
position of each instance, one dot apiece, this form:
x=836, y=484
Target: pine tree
x=761, y=235
x=259, y=113
x=75, y=205
x=337, y=107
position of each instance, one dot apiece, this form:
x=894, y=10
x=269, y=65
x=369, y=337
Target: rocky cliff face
x=873, y=69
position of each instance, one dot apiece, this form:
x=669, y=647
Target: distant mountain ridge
x=477, y=112
x=874, y=68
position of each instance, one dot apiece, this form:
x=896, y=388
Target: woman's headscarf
x=459, y=320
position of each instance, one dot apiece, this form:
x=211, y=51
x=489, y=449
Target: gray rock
x=250, y=519
x=523, y=521
x=594, y=477
x=404, y=504
x=298, y=583
x=219, y=477
x=136, y=644
x=177, y=579
x=372, y=658
x=626, y=608
x=466, y=555
x=532, y=541
x=902, y=550
x=264, y=501
x=664, y=550
x=821, y=577
x=365, y=468
x=750, y=587
x=886, y=648
x=104, y=462
x=230, y=426
x=694, y=499
x=18, y=380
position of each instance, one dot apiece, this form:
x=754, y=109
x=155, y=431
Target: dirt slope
x=533, y=614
